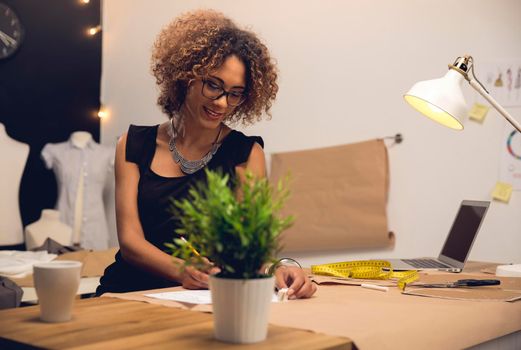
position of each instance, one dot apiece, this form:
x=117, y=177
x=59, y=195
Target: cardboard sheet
x=391, y=320
x=508, y=290
x=481, y=294
x=94, y=261
x=94, y=264
x=338, y=197
x=329, y=280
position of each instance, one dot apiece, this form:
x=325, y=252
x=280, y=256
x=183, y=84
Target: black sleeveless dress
x=154, y=195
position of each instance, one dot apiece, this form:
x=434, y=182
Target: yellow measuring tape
x=366, y=269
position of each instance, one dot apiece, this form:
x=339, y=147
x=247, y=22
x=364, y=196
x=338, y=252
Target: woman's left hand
x=295, y=279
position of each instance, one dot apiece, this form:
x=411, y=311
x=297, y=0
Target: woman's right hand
x=193, y=278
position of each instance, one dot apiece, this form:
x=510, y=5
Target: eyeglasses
x=214, y=91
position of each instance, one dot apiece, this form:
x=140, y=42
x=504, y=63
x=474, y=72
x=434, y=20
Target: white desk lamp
x=442, y=100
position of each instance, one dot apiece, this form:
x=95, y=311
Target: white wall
x=344, y=66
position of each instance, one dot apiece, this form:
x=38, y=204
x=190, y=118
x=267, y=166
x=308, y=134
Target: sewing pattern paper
x=502, y=79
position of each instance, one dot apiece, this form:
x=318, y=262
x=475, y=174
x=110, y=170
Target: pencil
x=191, y=247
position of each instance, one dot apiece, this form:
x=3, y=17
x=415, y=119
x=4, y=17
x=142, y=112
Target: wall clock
x=11, y=31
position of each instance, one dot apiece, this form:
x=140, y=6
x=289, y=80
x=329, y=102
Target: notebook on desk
x=458, y=244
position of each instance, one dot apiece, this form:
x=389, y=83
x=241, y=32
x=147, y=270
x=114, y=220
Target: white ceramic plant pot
x=241, y=308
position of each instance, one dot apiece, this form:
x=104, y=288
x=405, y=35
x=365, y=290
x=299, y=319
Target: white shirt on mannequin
x=81, y=167
x=79, y=139
x=12, y=163
x=48, y=226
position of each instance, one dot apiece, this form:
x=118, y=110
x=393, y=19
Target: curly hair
x=199, y=42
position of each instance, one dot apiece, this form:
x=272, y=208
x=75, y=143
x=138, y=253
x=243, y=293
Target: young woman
x=210, y=74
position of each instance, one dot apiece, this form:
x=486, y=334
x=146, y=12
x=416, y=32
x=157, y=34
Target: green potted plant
x=237, y=227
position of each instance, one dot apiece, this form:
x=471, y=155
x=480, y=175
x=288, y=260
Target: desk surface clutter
x=338, y=316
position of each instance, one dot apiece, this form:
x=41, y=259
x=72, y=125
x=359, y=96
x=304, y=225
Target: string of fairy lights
x=92, y=31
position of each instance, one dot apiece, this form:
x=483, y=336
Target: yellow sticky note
x=478, y=112
x=502, y=192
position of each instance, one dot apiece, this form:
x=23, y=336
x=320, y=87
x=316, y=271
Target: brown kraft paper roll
x=338, y=197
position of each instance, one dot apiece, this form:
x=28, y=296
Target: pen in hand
x=191, y=247
x=210, y=268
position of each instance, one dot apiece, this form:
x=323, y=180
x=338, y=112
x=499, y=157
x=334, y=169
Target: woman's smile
x=212, y=114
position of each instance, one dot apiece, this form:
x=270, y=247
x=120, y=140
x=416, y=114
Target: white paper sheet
x=191, y=296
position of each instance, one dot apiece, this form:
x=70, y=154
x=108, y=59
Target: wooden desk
x=371, y=319
x=108, y=323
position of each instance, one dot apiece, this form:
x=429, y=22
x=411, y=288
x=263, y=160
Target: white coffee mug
x=56, y=285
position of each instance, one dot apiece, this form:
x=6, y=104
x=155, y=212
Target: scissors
x=459, y=284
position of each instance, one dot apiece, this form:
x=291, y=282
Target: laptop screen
x=464, y=230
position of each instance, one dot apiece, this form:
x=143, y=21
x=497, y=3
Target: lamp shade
x=440, y=99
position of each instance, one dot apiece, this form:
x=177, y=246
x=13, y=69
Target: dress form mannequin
x=48, y=226
x=79, y=139
x=82, y=167
x=13, y=156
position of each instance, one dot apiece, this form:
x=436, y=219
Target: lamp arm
x=494, y=104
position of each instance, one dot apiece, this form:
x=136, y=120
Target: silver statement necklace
x=191, y=166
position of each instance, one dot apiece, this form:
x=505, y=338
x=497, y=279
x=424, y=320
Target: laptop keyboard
x=426, y=263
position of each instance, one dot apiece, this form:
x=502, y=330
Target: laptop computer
x=457, y=246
